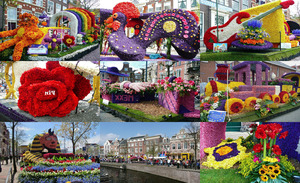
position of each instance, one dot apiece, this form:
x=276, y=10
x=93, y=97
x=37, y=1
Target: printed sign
x=286, y=45
x=125, y=98
x=216, y=116
x=38, y=49
x=220, y=47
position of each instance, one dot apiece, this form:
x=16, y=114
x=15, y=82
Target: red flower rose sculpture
x=54, y=93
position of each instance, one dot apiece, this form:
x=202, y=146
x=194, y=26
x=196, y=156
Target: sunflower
x=264, y=178
x=262, y=171
x=271, y=168
x=234, y=105
x=284, y=96
x=273, y=176
x=225, y=158
x=276, y=171
x=265, y=167
x=277, y=166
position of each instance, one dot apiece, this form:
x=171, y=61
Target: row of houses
x=4, y=140
x=181, y=143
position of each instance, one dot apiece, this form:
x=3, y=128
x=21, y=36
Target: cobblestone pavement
x=92, y=56
x=5, y=171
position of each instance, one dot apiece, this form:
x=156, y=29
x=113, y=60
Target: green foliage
x=287, y=164
x=247, y=165
x=221, y=176
x=247, y=142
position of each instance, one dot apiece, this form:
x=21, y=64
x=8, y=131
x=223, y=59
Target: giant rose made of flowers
x=54, y=93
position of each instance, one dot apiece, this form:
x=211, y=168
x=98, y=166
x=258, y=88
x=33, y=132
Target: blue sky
x=112, y=130
x=33, y=128
x=136, y=65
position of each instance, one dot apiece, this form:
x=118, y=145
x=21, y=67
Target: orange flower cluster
x=25, y=35
x=252, y=41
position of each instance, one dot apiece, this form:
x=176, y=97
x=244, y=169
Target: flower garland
x=184, y=87
x=225, y=155
x=235, y=105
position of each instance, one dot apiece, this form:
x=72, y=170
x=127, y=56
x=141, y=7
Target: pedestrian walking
x=169, y=161
x=178, y=163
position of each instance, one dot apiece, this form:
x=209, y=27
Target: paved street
x=5, y=170
x=107, y=117
x=288, y=117
x=92, y=56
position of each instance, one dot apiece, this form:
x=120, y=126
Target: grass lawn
x=221, y=176
x=274, y=55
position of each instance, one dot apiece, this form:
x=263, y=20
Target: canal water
x=130, y=176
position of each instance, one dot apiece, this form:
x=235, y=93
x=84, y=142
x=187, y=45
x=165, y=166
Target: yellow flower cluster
x=270, y=171
x=247, y=165
x=272, y=160
x=169, y=26
x=250, y=103
x=221, y=87
x=231, y=103
x=224, y=150
x=226, y=163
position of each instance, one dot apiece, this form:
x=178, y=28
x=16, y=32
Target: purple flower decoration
x=232, y=153
x=255, y=24
x=206, y=106
x=53, y=40
x=296, y=31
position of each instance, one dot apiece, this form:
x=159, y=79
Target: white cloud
x=109, y=136
x=94, y=139
x=139, y=134
x=18, y=128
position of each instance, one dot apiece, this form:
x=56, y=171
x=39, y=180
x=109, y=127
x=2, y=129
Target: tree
x=168, y=66
x=13, y=126
x=154, y=149
x=76, y=131
x=193, y=129
x=19, y=139
x=90, y=4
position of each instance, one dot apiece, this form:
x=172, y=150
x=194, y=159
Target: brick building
x=55, y=6
x=4, y=140
x=208, y=68
x=153, y=142
x=11, y=15
x=136, y=146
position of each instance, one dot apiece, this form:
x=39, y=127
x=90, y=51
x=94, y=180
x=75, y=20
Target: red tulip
x=257, y=148
x=271, y=134
x=283, y=134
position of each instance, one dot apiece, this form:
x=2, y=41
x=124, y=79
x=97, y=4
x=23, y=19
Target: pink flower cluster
x=177, y=84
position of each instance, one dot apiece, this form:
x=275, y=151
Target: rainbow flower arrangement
x=253, y=34
x=225, y=155
x=265, y=164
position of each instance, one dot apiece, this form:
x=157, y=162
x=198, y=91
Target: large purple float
x=178, y=24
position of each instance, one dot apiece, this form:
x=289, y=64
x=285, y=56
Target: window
x=141, y=143
x=179, y=63
x=150, y=8
x=236, y=5
x=136, y=150
x=147, y=142
x=64, y=7
x=39, y=3
x=147, y=149
x=161, y=76
x=277, y=72
x=210, y=79
x=50, y=8
x=221, y=20
x=141, y=149
x=125, y=69
x=167, y=5
x=185, y=145
x=178, y=72
x=192, y=145
x=173, y=146
x=161, y=67
x=182, y=4
x=136, y=144
x=179, y=146
x=28, y=1
x=58, y=7
x=157, y=6
x=26, y=11
x=11, y=18
x=37, y=14
x=65, y=1
x=121, y=79
x=245, y=4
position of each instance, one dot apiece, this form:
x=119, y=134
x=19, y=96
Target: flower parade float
x=170, y=99
x=260, y=157
x=59, y=92
x=53, y=166
x=179, y=26
x=67, y=35
x=252, y=35
x=248, y=98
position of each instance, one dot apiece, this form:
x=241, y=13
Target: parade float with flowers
x=176, y=95
x=261, y=157
x=259, y=33
x=67, y=35
x=179, y=27
x=44, y=163
x=248, y=92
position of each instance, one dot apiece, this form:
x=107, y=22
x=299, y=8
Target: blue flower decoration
x=255, y=23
